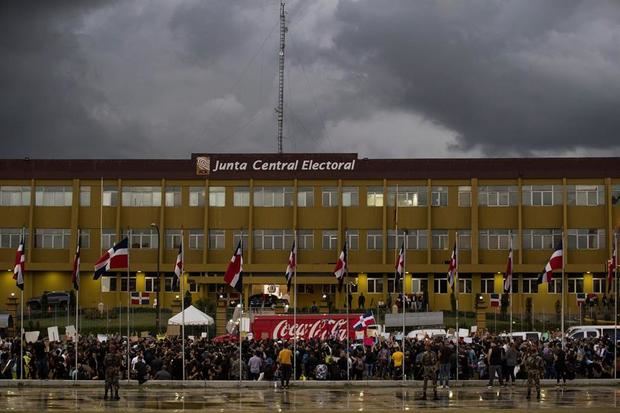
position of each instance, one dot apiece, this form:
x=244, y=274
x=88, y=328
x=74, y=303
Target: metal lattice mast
x=280, y=108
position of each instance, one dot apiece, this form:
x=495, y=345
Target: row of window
x=279, y=239
x=109, y=284
x=347, y=196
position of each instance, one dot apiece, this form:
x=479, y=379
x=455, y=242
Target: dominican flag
x=20, y=264
x=611, y=268
x=495, y=300
x=555, y=263
x=75, y=274
x=341, y=266
x=178, y=266
x=400, y=262
x=140, y=298
x=234, y=272
x=365, y=320
x=290, y=268
x=508, y=275
x=116, y=258
x=452, y=267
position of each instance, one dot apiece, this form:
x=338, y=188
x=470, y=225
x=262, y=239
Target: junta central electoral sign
x=308, y=326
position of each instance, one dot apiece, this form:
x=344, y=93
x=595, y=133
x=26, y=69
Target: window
x=439, y=196
x=374, y=196
x=142, y=196
x=196, y=196
x=441, y=286
x=305, y=289
x=555, y=286
x=575, y=285
x=439, y=239
x=84, y=196
x=217, y=239
x=54, y=196
x=173, y=238
x=14, y=195
x=329, y=196
x=305, y=197
x=142, y=238
x=305, y=240
x=110, y=196
x=273, y=196
x=586, y=195
x=497, y=196
x=487, y=285
x=10, y=237
x=241, y=196
x=465, y=284
x=273, y=239
x=408, y=196
x=132, y=283
x=193, y=287
x=586, y=239
x=417, y=239
x=108, y=238
x=375, y=285
x=329, y=289
x=515, y=284
x=329, y=239
x=169, y=284
x=464, y=196
x=464, y=239
x=173, y=196
x=150, y=284
x=240, y=236
x=217, y=196
x=53, y=238
x=109, y=283
x=353, y=239
x=495, y=239
x=542, y=195
x=530, y=285
x=599, y=285
x=374, y=239
x=350, y=196
x=541, y=239
x=84, y=238
x=196, y=239
x=418, y=285
x=615, y=195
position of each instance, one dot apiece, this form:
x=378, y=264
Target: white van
x=429, y=332
x=593, y=331
x=524, y=335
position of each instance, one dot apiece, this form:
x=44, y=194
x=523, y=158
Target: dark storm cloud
x=506, y=76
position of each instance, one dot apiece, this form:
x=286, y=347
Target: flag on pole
x=20, y=264
x=292, y=265
x=234, y=272
x=341, y=266
x=555, y=263
x=75, y=275
x=365, y=320
x=452, y=267
x=611, y=268
x=116, y=258
x=400, y=262
x=508, y=275
x=178, y=267
x=494, y=300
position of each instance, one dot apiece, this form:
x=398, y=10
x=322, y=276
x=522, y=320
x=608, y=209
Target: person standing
x=255, y=364
x=559, y=360
x=494, y=358
x=429, y=369
x=535, y=366
x=361, y=301
x=112, y=365
x=445, y=355
x=510, y=363
x=285, y=357
x=397, y=363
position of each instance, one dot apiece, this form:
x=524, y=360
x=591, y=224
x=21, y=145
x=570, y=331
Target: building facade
x=267, y=200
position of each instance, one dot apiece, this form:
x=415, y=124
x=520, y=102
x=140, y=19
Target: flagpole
x=128, y=304
x=295, y=305
x=615, y=260
x=564, y=248
x=182, y=285
x=77, y=304
x=241, y=302
x=510, y=284
x=348, y=291
x=403, y=298
x=456, y=283
x=21, y=303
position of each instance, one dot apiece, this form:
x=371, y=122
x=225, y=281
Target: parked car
x=54, y=299
x=594, y=331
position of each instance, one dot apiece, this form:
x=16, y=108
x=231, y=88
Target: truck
x=53, y=299
x=305, y=326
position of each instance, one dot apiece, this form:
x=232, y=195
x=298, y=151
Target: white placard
x=468, y=340
x=203, y=335
x=102, y=338
x=463, y=332
x=473, y=329
x=52, y=333
x=32, y=336
x=245, y=324
x=70, y=332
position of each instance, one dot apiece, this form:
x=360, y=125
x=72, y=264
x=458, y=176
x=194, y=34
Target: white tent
x=193, y=317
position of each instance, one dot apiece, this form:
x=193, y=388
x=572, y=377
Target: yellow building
x=267, y=199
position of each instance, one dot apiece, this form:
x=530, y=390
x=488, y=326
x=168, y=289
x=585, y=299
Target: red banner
x=309, y=326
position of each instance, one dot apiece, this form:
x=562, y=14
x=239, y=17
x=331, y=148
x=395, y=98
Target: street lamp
x=158, y=283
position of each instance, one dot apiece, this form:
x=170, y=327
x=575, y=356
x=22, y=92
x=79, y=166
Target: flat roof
x=309, y=166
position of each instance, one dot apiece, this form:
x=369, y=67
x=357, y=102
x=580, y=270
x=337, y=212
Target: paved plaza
x=305, y=399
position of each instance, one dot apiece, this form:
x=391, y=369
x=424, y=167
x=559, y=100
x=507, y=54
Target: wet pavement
x=595, y=398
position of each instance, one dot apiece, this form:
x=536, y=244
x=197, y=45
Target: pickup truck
x=58, y=299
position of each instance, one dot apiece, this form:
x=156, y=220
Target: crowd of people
x=488, y=358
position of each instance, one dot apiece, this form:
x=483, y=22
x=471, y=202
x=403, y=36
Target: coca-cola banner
x=309, y=326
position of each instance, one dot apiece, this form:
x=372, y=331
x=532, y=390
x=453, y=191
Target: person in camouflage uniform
x=112, y=365
x=535, y=366
x=429, y=366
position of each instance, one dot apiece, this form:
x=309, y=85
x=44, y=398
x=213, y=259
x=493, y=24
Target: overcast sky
x=389, y=78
